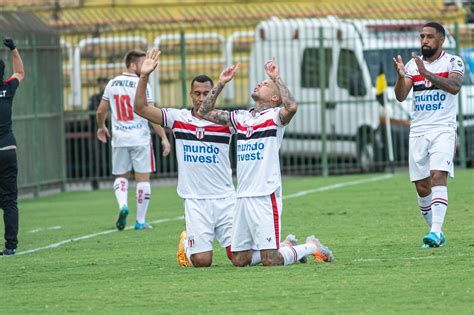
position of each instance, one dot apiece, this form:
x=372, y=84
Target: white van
x=342, y=58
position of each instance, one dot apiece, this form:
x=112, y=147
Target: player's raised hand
x=272, y=68
x=419, y=63
x=228, y=73
x=7, y=41
x=151, y=61
x=103, y=134
x=399, y=66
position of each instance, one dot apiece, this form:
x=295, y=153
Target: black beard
x=428, y=52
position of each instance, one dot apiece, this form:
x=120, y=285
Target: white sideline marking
x=339, y=185
x=55, y=245
x=45, y=229
x=410, y=258
x=291, y=196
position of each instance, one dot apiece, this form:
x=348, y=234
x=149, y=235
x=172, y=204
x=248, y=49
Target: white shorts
x=140, y=158
x=257, y=222
x=431, y=152
x=206, y=220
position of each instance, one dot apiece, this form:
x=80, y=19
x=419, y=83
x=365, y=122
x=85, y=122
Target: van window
x=311, y=66
x=349, y=74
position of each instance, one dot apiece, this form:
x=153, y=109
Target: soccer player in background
x=204, y=172
x=8, y=158
x=256, y=226
x=436, y=78
x=131, y=141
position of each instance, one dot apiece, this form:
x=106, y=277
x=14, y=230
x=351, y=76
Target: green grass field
x=374, y=230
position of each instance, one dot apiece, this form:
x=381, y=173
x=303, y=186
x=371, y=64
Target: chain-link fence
x=330, y=63
x=38, y=106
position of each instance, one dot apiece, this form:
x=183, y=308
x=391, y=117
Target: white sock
x=292, y=254
x=256, y=259
x=186, y=250
x=439, y=206
x=121, y=191
x=425, y=208
x=143, y=199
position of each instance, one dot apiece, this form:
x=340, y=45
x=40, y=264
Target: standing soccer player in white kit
x=436, y=79
x=131, y=141
x=257, y=219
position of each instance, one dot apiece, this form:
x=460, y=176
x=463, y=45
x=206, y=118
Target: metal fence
x=329, y=64
x=38, y=105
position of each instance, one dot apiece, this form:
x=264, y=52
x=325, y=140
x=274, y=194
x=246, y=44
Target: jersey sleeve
x=456, y=66
x=12, y=85
x=276, y=117
x=149, y=96
x=169, y=116
x=410, y=69
x=106, y=95
x=235, y=117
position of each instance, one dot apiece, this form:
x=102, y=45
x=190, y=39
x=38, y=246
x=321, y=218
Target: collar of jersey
x=128, y=74
x=440, y=56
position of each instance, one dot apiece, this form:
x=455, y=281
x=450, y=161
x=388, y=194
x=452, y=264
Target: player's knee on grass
x=271, y=257
x=202, y=259
x=242, y=259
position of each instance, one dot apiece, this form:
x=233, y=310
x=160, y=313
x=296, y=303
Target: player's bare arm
x=403, y=84
x=452, y=84
x=165, y=143
x=17, y=63
x=102, y=131
x=289, y=102
x=141, y=106
x=206, y=110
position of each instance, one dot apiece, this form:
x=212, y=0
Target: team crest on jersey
x=200, y=131
x=427, y=83
x=249, y=131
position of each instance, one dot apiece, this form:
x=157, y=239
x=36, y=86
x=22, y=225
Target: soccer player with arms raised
x=256, y=226
x=131, y=141
x=204, y=172
x=436, y=78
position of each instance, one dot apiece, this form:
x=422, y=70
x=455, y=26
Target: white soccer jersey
x=202, y=151
x=259, y=139
x=128, y=128
x=433, y=108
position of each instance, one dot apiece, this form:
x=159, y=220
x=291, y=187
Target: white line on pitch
x=409, y=258
x=291, y=196
x=338, y=185
x=55, y=245
x=45, y=229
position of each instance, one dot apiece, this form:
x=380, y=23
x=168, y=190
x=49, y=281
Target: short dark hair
x=132, y=57
x=438, y=27
x=201, y=79
x=102, y=80
x=2, y=70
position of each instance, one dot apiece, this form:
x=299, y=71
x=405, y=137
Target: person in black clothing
x=8, y=160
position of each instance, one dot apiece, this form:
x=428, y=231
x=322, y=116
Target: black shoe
x=7, y=252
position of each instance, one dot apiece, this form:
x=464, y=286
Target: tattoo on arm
x=451, y=84
x=221, y=117
x=288, y=101
x=210, y=100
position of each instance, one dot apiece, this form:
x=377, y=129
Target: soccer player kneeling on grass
x=204, y=172
x=257, y=218
x=131, y=141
